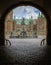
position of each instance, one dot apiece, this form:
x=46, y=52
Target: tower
x=23, y=32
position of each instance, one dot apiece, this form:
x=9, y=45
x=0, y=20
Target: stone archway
x=19, y=4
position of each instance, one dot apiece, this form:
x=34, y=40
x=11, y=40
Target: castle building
x=41, y=25
x=34, y=27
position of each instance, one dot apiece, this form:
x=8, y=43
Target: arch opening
x=25, y=22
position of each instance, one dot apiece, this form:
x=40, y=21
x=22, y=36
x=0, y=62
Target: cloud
x=16, y=17
x=25, y=11
x=31, y=12
x=34, y=15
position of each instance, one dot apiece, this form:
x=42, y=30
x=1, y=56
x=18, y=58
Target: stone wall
x=41, y=26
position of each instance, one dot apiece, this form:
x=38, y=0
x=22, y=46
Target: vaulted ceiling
x=5, y=4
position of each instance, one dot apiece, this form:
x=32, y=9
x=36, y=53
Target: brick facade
x=11, y=25
x=8, y=23
x=41, y=26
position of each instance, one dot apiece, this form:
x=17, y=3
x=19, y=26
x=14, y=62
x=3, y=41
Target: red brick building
x=11, y=25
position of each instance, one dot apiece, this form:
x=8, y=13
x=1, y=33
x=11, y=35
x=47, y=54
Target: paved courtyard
x=25, y=52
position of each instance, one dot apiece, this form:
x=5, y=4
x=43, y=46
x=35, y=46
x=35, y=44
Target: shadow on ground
x=25, y=52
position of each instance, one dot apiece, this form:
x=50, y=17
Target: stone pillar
x=2, y=32
x=49, y=32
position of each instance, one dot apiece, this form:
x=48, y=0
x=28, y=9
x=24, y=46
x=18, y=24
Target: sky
x=26, y=12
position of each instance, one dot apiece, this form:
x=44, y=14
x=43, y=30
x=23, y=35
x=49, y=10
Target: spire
x=31, y=17
x=41, y=15
x=14, y=17
x=23, y=23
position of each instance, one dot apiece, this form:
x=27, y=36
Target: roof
x=18, y=21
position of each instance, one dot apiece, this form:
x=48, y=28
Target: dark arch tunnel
x=2, y=33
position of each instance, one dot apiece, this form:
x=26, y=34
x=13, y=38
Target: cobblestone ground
x=25, y=52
